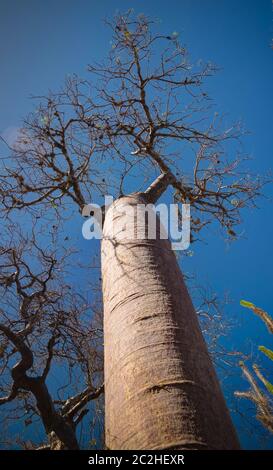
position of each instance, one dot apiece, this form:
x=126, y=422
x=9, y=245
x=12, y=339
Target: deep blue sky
x=42, y=41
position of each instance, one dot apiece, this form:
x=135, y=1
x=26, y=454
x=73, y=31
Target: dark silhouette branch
x=83, y=400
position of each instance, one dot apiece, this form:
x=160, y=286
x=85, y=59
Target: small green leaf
x=267, y=352
x=245, y=303
x=269, y=387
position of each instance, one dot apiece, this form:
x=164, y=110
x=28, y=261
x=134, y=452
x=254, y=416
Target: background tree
x=45, y=324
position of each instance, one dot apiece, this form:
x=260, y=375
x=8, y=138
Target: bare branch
x=157, y=188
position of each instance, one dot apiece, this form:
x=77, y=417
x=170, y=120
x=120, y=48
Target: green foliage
x=268, y=321
x=261, y=399
x=267, y=352
x=93, y=443
x=245, y=303
x=269, y=387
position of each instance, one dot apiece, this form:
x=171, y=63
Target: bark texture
x=161, y=390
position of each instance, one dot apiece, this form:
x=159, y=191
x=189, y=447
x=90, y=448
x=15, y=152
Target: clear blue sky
x=42, y=41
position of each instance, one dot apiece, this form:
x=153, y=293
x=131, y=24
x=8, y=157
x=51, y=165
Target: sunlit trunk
x=161, y=390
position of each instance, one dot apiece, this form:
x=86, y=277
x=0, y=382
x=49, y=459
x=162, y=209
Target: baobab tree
x=44, y=324
x=142, y=115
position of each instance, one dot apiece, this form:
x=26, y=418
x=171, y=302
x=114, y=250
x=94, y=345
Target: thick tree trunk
x=161, y=390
